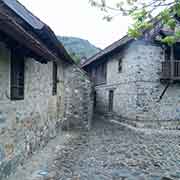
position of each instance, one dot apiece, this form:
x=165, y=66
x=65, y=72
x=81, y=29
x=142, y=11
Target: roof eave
x=32, y=40
x=19, y=34
x=107, y=51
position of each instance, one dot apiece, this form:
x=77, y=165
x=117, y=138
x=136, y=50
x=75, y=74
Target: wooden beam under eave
x=18, y=33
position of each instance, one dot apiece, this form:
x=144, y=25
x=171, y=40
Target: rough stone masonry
x=137, y=88
x=27, y=125
x=78, y=97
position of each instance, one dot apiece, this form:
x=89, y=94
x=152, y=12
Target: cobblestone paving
x=112, y=152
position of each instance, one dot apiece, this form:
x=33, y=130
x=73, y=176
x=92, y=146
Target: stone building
x=138, y=80
x=41, y=87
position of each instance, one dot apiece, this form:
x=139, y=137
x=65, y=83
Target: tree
x=76, y=58
x=142, y=12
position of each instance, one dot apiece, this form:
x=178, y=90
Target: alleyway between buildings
x=108, y=152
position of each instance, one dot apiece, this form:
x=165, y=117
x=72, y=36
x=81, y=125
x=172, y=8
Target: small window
x=54, y=90
x=17, y=76
x=120, y=65
x=99, y=74
x=104, y=71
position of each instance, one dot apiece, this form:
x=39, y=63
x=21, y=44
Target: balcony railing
x=166, y=70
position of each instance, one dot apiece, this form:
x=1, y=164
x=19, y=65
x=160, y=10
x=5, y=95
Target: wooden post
x=172, y=63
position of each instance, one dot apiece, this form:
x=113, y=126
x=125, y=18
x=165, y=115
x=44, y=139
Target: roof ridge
x=108, y=48
x=154, y=20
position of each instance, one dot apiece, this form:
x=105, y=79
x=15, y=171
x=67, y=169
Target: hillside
x=78, y=48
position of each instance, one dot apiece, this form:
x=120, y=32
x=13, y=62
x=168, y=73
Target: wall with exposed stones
x=25, y=125
x=78, y=98
x=138, y=88
x=166, y=113
x=122, y=83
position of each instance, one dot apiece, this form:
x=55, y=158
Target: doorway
x=95, y=100
x=111, y=100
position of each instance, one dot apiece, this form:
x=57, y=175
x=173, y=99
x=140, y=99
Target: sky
x=78, y=19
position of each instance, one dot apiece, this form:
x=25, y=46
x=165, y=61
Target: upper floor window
x=104, y=71
x=54, y=90
x=100, y=74
x=17, y=75
x=120, y=65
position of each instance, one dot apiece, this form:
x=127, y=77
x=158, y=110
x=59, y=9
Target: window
x=17, y=76
x=54, y=90
x=120, y=65
x=100, y=74
x=104, y=72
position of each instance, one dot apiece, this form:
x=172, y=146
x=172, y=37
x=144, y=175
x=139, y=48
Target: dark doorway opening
x=95, y=100
x=111, y=100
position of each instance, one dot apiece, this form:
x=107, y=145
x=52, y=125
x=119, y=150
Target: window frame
x=101, y=74
x=17, y=75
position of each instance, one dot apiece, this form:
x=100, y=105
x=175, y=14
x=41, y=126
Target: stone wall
x=166, y=113
x=25, y=125
x=78, y=98
x=138, y=88
x=123, y=84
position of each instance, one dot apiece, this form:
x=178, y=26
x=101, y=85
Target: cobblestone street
x=108, y=152
x=113, y=152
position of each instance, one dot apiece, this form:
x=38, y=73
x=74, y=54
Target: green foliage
x=138, y=28
x=177, y=33
x=171, y=23
x=176, y=8
x=165, y=15
x=170, y=40
x=134, y=32
x=139, y=15
x=78, y=48
x=75, y=57
x=142, y=12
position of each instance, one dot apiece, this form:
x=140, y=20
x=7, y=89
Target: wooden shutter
x=54, y=91
x=17, y=76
